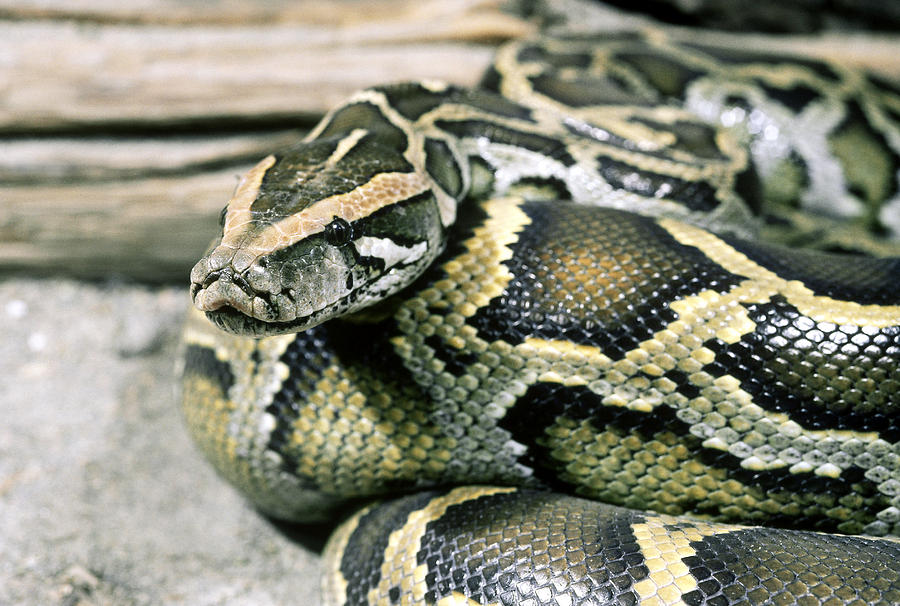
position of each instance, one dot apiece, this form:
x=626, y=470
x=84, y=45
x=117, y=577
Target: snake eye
x=338, y=232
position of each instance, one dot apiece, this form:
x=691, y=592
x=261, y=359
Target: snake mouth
x=231, y=320
x=231, y=304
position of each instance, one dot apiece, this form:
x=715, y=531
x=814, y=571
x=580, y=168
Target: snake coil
x=556, y=316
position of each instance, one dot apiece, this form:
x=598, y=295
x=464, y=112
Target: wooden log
x=123, y=126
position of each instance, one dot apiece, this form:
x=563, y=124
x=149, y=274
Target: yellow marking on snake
x=664, y=550
x=763, y=283
x=384, y=189
x=344, y=414
x=334, y=584
x=345, y=145
x=403, y=545
x=238, y=215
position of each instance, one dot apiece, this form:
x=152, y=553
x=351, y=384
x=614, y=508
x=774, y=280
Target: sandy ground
x=103, y=498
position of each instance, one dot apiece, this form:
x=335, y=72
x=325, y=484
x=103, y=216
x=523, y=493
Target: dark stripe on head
x=401, y=222
x=301, y=175
x=368, y=117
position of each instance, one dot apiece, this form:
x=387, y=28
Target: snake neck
x=359, y=209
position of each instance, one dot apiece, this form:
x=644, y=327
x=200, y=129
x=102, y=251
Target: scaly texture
x=562, y=282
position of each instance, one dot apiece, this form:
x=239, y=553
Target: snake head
x=324, y=229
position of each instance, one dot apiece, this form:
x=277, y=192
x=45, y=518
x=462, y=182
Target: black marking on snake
x=456, y=361
x=823, y=375
x=455, y=551
x=475, y=129
x=682, y=382
x=858, y=128
x=202, y=361
x=491, y=80
x=494, y=104
x=532, y=53
x=442, y=166
x=748, y=187
x=795, y=98
x=864, y=280
x=413, y=100
x=884, y=84
x=540, y=188
x=668, y=76
x=314, y=350
x=693, y=195
x=369, y=157
x=587, y=91
x=279, y=182
x=369, y=117
x=740, y=566
x=383, y=223
x=740, y=56
x=813, y=494
x=586, y=130
x=365, y=550
x=543, y=404
x=552, y=257
x=310, y=353
x=696, y=138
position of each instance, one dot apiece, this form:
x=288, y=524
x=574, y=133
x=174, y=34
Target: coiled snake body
x=549, y=311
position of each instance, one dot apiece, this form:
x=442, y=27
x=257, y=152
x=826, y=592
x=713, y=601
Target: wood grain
x=124, y=125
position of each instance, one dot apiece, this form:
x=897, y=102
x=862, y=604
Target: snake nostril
x=213, y=276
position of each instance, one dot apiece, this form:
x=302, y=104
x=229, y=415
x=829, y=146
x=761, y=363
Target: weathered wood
x=60, y=75
x=422, y=15
x=147, y=229
x=124, y=125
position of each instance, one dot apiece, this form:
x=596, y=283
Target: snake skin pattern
x=557, y=314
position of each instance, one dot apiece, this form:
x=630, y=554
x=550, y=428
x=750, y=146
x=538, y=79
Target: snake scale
x=552, y=324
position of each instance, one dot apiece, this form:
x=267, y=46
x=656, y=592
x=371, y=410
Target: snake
x=555, y=339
